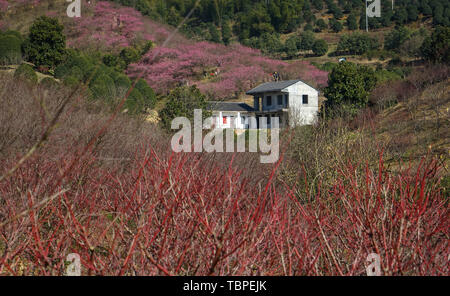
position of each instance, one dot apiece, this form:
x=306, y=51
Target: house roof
x=272, y=86
x=230, y=106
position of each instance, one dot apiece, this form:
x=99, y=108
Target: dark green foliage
x=349, y=86
x=357, y=43
x=401, y=16
x=114, y=61
x=291, y=46
x=307, y=40
x=267, y=43
x=10, y=49
x=147, y=92
x=71, y=81
x=84, y=66
x=135, y=102
x=76, y=73
x=321, y=25
x=46, y=43
x=335, y=25
x=123, y=84
x=320, y=47
x=437, y=47
x=352, y=24
x=396, y=37
x=129, y=55
x=103, y=87
x=26, y=72
x=308, y=27
x=227, y=33
x=252, y=18
x=13, y=33
x=215, y=34
x=317, y=4
x=181, y=102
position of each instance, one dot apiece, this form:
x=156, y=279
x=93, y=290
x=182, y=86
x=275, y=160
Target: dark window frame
x=280, y=100
x=269, y=100
x=305, y=99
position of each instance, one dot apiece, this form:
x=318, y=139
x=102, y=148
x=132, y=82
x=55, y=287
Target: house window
x=269, y=100
x=286, y=98
x=280, y=100
x=305, y=99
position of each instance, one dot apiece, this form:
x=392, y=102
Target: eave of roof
x=230, y=106
x=272, y=86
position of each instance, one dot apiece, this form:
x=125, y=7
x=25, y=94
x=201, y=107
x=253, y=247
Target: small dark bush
x=26, y=72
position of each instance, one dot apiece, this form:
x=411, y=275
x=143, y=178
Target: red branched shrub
x=176, y=215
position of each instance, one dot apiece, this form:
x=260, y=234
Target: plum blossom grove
x=3, y=5
x=218, y=70
x=240, y=68
x=182, y=60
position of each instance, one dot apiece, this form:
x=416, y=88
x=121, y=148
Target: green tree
x=318, y=4
x=226, y=33
x=147, y=93
x=352, y=24
x=103, y=87
x=307, y=40
x=357, y=43
x=215, y=33
x=135, y=102
x=396, y=37
x=129, y=55
x=349, y=86
x=290, y=47
x=123, y=84
x=173, y=17
x=10, y=50
x=436, y=48
x=401, y=16
x=46, y=43
x=335, y=25
x=321, y=25
x=320, y=47
x=181, y=103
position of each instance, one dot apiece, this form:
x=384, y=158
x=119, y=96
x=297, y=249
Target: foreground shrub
x=176, y=215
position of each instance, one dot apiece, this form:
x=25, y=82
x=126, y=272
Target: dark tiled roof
x=272, y=86
x=230, y=106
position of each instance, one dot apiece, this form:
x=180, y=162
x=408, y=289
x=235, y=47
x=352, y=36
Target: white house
x=231, y=114
x=293, y=102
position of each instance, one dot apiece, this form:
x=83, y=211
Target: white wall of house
x=291, y=98
x=301, y=113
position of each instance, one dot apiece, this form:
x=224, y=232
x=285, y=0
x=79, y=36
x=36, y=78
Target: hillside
x=108, y=28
